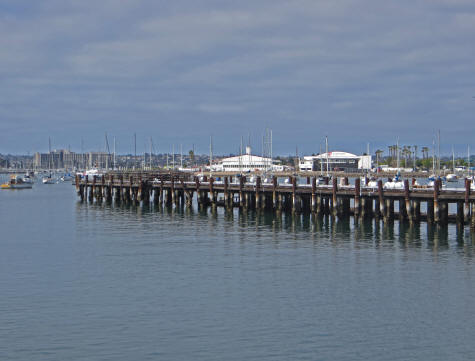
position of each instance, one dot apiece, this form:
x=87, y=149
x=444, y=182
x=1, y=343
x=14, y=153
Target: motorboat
x=48, y=180
x=394, y=184
x=373, y=183
x=16, y=182
x=27, y=179
x=451, y=177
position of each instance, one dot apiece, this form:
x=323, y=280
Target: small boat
x=27, y=179
x=16, y=182
x=396, y=183
x=48, y=180
x=451, y=177
x=66, y=177
x=373, y=183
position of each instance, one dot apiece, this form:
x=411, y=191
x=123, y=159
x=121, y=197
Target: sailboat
x=452, y=177
x=48, y=179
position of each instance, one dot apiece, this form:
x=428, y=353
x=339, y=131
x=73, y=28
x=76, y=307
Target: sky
x=357, y=71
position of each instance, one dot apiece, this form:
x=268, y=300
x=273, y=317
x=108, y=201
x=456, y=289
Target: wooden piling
x=407, y=200
x=436, y=201
x=466, y=209
x=334, y=204
x=357, y=197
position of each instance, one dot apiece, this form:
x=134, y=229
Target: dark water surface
x=94, y=282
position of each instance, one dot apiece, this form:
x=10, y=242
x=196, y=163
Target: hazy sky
x=358, y=70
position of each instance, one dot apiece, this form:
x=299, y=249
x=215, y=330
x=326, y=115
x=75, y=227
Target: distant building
x=247, y=163
x=65, y=159
x=335, y=161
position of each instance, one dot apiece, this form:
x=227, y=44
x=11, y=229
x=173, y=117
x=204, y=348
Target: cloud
x=404, y=66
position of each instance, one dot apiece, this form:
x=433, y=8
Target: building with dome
x=335, y=161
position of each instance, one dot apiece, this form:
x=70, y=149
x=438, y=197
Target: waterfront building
x=247, y=163
x=336, y=161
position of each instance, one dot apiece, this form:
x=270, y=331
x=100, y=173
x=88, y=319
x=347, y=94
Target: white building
x=247, y=163
x=335, y=161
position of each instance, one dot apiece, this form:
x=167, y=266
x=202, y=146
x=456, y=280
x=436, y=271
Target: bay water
x=82, y=281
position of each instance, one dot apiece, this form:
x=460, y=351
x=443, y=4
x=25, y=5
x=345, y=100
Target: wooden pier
x=335, y=197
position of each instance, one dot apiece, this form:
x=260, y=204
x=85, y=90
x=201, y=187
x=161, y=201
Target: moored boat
x=48, y=180
x=16, y=182
x=451, y=177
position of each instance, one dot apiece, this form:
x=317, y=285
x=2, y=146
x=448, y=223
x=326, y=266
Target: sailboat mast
x=468, y=160
x=321, y=161
x=49, y=154
x=271, y=149
x=240, y=158
x=438, y=152
x=453, y=160
x=326, y=152
x=210, y=154
x=181, y=156
x=151, y=153
x=173, y=156
x=397, y=152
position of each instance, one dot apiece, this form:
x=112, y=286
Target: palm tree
x=378, y=154
x=425, y=152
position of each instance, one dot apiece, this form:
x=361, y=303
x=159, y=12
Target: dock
x=334, y=197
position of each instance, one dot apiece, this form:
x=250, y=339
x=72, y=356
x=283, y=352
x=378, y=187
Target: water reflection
x=337, y=230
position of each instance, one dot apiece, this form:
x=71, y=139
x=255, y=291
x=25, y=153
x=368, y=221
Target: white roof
x=245, y=158
x=333, y=155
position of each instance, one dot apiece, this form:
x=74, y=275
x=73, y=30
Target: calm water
x=93, y=282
